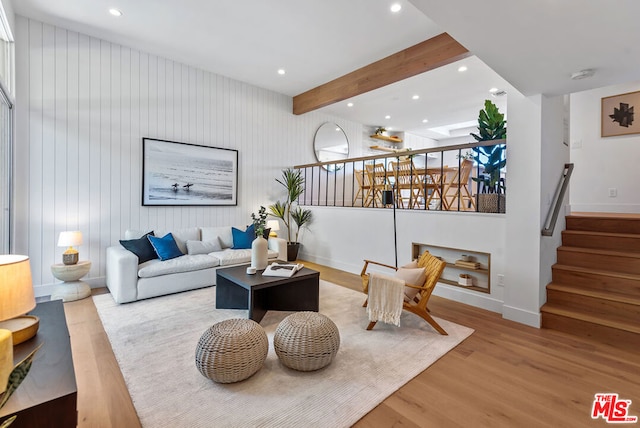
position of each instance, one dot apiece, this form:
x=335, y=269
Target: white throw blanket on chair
x=385, y=298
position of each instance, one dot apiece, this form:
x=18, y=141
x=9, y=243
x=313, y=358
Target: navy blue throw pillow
x=141, y=247
x=165, y=247
x=242, y=239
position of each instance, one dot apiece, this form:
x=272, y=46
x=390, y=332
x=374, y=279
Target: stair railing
x=554, y=209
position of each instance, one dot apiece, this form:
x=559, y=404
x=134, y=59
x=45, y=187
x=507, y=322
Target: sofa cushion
x=141, y=247
x=203, y=247
x=184, y=263
x=223, y=233
x=165, y=247
x=229, y=257
x=242, y=239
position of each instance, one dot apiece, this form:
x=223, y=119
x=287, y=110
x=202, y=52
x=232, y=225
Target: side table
x=72, y=288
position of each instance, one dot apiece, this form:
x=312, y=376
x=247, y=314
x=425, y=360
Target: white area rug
x=154, y=342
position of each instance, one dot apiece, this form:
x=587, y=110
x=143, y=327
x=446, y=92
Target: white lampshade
x=17, y=297
x=69, y=239
x=274, y=225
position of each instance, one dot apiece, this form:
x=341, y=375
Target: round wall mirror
x=330, y=143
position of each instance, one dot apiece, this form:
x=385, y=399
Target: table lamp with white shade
x=69, y=239
x=274, y=225
x=17, y=298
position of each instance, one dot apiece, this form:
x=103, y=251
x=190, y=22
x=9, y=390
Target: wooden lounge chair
x=418, y=304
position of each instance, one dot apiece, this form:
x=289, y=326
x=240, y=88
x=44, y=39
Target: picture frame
x=183, y=174
x=617, y=114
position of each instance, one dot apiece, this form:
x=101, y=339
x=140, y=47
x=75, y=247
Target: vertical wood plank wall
x=83, y=106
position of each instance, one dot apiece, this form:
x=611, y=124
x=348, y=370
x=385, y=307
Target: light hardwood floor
x=504, y=375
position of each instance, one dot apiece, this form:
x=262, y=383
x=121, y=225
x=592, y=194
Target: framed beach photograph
x=618, y=114
x=187, y=174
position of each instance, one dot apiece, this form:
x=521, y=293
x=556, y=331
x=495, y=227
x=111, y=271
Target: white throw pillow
x=203, y=247
x=414, y=276
x=223, y=233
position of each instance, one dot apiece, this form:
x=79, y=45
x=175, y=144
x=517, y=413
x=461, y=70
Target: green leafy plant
x=293, y=182
x=259, y=221
x=301, y=217
x=16, y=377
x=491, y=126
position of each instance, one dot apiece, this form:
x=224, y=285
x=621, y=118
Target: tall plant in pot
x=288, y=211
x=491, y=126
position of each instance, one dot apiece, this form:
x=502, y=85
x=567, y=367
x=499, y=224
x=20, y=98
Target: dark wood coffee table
x=235, y=289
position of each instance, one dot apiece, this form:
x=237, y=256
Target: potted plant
x=293, y=181
x=491, y=126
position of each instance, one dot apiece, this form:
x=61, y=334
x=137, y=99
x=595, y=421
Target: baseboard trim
x=472, y=298
x=606, y=208
x=533, y=319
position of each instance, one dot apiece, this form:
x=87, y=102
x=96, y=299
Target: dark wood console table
x=48, y=395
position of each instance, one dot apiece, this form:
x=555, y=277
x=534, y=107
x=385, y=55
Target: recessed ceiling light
x=349, y=104
x=415, y=97
x=115, y=12
x=425, y=120
x=281, y=71
x=387, y=117
x=396, y=7
x=462, y=68
x=493, y=90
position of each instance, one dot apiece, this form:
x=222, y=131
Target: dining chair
x=417, y=304
x=435, y=185
x=408, y=184
x=457, y=188
x=364, y=192
x=378, y=178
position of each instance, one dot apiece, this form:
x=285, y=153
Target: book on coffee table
x=282, y=269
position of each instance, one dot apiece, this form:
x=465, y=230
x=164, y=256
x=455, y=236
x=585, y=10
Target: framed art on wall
x=618, y=114
x=187, y=174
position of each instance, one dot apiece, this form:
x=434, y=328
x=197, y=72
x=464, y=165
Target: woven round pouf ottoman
x=232, y=350
x=306, y=341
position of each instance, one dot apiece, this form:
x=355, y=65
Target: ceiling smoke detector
x=583, y=74
x=499, y=94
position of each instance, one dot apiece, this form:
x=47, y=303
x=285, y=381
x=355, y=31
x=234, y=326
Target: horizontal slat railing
x=347, y=183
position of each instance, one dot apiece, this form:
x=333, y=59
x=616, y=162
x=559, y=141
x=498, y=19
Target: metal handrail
x=552, y=215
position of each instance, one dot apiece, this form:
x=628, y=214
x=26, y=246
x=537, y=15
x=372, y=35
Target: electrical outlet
x=613, y=192
x=501, y=280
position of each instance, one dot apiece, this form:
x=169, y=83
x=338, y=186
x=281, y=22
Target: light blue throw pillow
x=165, y=247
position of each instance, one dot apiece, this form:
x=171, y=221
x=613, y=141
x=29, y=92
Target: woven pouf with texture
x=306, y=341
x=232, y=350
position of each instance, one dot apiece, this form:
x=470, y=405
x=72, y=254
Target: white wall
x=83, y=106
x=602, y=163
x=343, y=238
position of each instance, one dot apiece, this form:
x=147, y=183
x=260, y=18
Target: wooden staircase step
x=613, y=306
x=619, y=261
x=601, y=240
x=627, y=326
x=596, y=279
x=603, y=224
x=622, y=335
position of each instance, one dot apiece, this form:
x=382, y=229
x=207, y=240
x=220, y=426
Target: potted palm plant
x=290, y=213
x=491, y=126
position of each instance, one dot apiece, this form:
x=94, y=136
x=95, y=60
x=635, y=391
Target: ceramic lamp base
x=70, y=258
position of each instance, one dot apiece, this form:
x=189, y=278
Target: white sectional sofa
x=129, y=281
